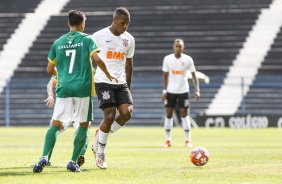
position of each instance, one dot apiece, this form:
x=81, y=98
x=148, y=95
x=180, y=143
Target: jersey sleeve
x=191, y=66
x=92, y=46
x=165, y=66
x=131, y=50
x=52, y=54
x=55, y=78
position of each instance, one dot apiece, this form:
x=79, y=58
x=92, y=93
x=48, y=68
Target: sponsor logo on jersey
x=80, y=44
x=125, y=42
x=106, y=95
x=115, y=55
x=177, y=72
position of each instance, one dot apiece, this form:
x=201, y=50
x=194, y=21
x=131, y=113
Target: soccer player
x=72, y=55
x=117, y=47
x=50, y=103
x=176, y=89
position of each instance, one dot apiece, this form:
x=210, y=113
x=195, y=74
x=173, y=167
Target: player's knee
x=109, y=118
x=109, y=121
x=183, y=114
x=169, y=115
x=56, y=123
x=126, y=116
x=84, y=125
x=109, y=115
x=125, y=113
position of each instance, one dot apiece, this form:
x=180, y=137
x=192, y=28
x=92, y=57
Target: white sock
x=187, y=127
x=102, y=141
x=168, y=123
x=115, y=126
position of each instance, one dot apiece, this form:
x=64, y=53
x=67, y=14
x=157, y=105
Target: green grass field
x=134, y=155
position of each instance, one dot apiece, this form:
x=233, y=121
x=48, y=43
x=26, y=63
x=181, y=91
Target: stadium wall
x=240, y=121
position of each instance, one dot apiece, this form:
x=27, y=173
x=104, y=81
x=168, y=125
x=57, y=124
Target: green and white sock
x=85, y=146
x=79, y=142
x=50, y=140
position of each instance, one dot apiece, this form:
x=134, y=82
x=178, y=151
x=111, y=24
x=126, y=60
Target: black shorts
x=181, y=99
x=112, y=95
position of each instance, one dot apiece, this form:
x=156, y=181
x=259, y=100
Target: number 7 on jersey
x=72, y=52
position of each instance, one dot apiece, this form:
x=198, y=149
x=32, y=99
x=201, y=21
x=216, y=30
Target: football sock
x=50, y=140
x=187, y=127
x=102, y=141
x=85, y=146
x=168, y=123
x=79, y=142
x=115, y=126
x=50, y=154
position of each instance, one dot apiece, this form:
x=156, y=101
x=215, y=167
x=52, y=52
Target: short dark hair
x=121, y=11
x=76, y=17
x=179, y=40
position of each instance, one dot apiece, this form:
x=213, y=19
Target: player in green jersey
x=72, y=55
x=50, y=103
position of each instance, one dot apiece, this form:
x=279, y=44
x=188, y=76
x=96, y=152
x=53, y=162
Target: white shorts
x=67, y=125
x=73, y=109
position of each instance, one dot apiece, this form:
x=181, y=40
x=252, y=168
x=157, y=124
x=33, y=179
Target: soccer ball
x=199, y=156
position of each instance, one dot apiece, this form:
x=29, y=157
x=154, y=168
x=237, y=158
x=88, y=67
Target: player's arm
x=50, y=87
x=165, y=81
x=101, y=64
x=197, y=86
x=129, y=71
x=51, y=69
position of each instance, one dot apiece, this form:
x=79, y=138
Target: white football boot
x=101, y=160
x=95, y=144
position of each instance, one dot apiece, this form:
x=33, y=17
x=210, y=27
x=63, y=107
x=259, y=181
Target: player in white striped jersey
x=176, y=89
x=117, y=49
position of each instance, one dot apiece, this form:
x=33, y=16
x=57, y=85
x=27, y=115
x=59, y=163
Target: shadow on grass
x=22, y=171
x=14, y=171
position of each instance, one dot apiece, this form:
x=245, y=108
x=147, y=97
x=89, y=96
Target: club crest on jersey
x=125, y=42
x=106, y=95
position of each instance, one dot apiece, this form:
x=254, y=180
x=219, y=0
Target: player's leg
x=184, y=106
x=51, y=137
x=50, y=140
x=102, y=135
x=170, y=103
x=115, y=126
x=65, y=125
x=49, y=157
x=50, y=153
x=107, y=102
x=82, y=114
x=62, y=110
x=81, y=158
x=125, y=107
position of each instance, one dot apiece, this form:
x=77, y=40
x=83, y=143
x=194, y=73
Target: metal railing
x=266, y=82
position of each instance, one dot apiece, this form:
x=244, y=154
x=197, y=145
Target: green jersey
x=71, y=54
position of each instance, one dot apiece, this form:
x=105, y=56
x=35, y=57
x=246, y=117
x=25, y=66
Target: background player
x=176, y=89
x=71, y=54
x=117, y=47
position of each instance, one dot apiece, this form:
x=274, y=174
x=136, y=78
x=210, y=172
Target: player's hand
x=49, y=101
x=112, y=78
x=197, y=95
x=164, y=97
